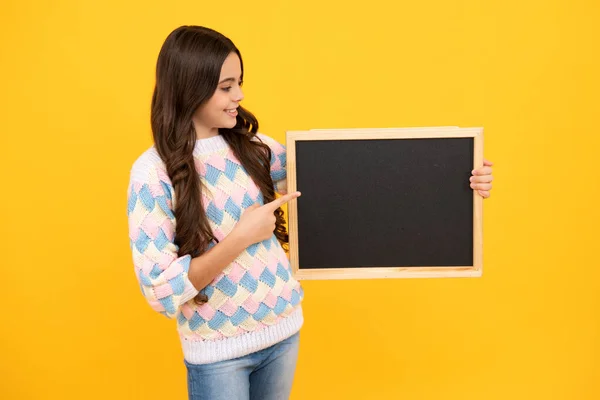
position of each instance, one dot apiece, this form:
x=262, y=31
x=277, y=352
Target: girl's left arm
x=481, y=179
x=278, y=163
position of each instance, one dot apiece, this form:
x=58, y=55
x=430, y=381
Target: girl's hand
x=482, y=179
x=257, y=223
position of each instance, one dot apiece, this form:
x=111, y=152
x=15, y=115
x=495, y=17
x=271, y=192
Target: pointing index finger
x=275, y=204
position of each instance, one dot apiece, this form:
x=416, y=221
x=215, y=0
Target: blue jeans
x=264, y=375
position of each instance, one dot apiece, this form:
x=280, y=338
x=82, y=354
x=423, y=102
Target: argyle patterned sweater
x=255, y=302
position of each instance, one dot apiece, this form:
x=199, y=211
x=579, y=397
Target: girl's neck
x=205, y=133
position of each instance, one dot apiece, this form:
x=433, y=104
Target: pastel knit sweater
x=255, y=302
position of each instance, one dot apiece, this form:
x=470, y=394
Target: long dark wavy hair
x=187, y=74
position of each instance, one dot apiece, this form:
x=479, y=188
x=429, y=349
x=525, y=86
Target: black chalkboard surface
x=384, y=203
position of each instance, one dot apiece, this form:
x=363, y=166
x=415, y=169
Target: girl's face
x=221, y=109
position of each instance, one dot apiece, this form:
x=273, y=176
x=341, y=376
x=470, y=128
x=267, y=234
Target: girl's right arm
x=161, y=272
x=168, y=280
x=256, y=224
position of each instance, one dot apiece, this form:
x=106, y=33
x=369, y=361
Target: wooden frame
x=474, y=270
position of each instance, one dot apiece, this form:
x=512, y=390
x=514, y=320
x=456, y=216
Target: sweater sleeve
x=278, y=163
x=161, y=273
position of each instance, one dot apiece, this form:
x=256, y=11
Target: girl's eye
x=228, y=88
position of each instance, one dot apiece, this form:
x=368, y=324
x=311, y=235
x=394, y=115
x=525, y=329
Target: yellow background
x=76, y=80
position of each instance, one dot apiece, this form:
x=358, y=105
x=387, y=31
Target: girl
x=207, y=231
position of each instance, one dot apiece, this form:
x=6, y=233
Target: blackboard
x=380, y=203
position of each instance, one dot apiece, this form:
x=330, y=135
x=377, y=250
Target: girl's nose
x=239, y=96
